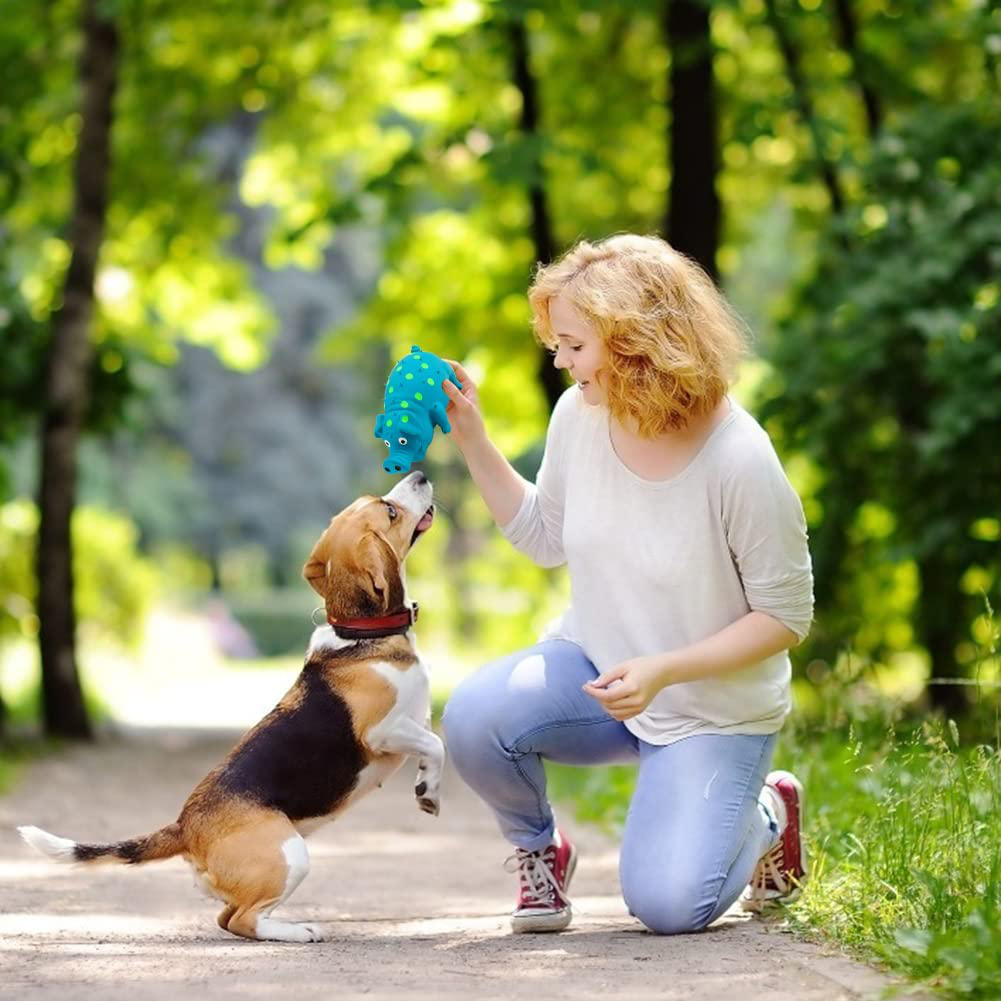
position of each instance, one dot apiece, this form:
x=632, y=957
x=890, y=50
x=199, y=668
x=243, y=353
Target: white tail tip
x=61, y=849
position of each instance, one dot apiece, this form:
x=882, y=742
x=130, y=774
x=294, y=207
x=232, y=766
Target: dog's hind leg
x=256, y=868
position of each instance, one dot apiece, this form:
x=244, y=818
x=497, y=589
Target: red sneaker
x=781, y=872
x=543, y=904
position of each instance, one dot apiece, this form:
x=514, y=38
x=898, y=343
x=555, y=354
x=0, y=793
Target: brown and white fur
x=356, y=711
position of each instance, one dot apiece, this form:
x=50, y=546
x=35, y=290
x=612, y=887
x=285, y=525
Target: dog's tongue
x=425, y=523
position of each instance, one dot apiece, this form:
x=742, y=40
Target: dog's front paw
x=428, y=802
x=429, y=805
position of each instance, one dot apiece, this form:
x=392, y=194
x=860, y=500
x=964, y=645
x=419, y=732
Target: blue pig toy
x=414, y=404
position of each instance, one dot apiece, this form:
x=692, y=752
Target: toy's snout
x=396, y=463
x=401, y=454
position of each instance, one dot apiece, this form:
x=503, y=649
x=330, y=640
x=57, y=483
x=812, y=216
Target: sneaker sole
x=548, y=921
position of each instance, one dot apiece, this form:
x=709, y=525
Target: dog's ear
x=380, y=572
x=350, y=593
x=315, y=572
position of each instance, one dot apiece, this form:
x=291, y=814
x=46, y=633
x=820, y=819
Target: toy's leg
x=438, y=417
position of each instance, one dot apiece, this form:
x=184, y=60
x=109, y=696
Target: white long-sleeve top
x=656, y=565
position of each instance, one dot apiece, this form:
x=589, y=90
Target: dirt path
x=415, y=907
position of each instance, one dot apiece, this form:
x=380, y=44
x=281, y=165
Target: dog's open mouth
x=423, y=525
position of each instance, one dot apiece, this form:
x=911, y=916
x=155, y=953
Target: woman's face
x=580, y=349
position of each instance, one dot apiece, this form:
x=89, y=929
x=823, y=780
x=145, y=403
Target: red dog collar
x=384, y=625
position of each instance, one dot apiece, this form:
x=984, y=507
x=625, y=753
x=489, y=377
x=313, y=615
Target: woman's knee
x=470, y=717
x=488, y=699
x=493, y=709
x=668, y=907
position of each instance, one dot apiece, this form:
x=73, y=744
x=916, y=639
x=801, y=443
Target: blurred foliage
x=886, y=376
x=263, y=139
x=164, y=269
x=277, y=621
x=14, y=756
x=115, y=584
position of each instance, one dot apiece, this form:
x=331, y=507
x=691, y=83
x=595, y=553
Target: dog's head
x=357, y=564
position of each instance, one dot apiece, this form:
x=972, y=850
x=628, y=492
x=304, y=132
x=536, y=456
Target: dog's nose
x=420, y=478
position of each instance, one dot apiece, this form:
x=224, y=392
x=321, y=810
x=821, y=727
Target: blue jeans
x=695, y=829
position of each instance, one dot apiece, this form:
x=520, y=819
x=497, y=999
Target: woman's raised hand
x=463, y=410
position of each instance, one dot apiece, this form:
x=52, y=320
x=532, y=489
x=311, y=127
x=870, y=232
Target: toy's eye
x=386, y=443
x=402, y=441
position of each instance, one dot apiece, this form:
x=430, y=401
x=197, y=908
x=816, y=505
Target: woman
x=690, y=579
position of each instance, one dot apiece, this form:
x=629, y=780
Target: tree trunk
x=542, y=231
x=940, y=617
x=848, y=29
x=804, y=105
x=693, y=215
x=66, y=399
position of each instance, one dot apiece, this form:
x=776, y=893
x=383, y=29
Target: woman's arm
x=503, y=489
x=628, y=688
x=529, y=515
x=747, y=641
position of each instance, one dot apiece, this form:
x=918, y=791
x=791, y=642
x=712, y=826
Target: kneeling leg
x=254, y=869
x=694, y=831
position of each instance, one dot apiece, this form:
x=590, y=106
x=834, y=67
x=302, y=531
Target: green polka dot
x=430, y=382
x=389, y=424
x=405, y=419
x=418, y=396
x=410, y=375
x=391, y=389
x=404, y=404
x=424, y=365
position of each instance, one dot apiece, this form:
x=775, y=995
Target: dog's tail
x=164, y=843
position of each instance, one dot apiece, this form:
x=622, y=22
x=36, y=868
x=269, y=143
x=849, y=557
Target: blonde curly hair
x=672, y=341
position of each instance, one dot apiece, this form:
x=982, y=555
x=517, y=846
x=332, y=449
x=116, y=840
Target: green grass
x=905, y=835
x=23, y=741
x=903, y=831
x=8, y=770
x=16, y=753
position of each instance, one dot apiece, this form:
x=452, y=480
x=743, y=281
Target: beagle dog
x=359, y=707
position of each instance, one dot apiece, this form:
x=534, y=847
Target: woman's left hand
x=627, y=689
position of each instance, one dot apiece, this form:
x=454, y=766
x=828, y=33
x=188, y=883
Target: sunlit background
x=299, y=191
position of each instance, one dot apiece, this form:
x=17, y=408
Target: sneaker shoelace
x=539, y=885
x=769, y=875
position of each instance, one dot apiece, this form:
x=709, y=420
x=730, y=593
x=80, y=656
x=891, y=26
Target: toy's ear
x=380, y=429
